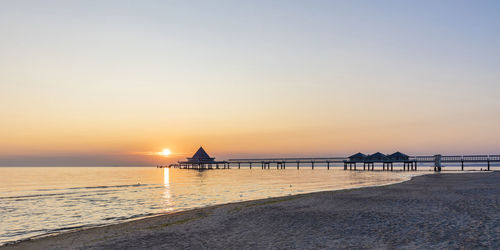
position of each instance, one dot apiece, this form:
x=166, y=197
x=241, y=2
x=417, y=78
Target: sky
x=91, y=83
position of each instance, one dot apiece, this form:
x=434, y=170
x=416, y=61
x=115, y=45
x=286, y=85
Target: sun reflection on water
x=166, y=177
x=167, y=197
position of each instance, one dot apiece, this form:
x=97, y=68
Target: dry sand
x=432, y=211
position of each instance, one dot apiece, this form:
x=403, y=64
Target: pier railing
x=291, y=160
x=427, y=158
x=410, y=163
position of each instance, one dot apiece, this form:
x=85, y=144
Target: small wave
x=17, y=233
x=34, y=234
x=75, y=188
x=122, y=218
x=20, y=197
x=115, y=186
x=94, y=187
x=65, y=229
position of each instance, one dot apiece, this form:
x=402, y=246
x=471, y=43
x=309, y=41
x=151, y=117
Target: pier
x=357, y=162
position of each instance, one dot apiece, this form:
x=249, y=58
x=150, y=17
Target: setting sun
x=165, y=152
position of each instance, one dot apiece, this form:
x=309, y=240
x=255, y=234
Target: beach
x=431, y=211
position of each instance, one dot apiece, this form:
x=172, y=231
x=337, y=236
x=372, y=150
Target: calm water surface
x=37, y=201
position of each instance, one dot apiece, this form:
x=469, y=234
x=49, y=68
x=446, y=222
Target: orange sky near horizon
x=105, y=84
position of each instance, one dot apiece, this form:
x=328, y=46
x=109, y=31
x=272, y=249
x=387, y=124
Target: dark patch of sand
x=431, y=211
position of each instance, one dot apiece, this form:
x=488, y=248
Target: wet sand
x=431, y=211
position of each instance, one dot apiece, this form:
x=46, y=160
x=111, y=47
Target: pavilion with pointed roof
x=201, y=160
x=357, y=157
x=398, y=156
x=201, y=156
x=377, y=157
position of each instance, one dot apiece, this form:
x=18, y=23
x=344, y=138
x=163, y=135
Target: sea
x=38, y=201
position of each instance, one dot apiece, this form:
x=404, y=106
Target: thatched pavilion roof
x=200, y=156
x=376, y=157
x=357, y=157
x=398, y=156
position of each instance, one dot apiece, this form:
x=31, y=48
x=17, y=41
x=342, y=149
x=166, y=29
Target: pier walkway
x=410, y=164
x=376, y=161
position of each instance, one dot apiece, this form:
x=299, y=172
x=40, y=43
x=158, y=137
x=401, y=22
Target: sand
x=427, y=212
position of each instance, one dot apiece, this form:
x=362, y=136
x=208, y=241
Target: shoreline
x=140, y=217
x=180, y=224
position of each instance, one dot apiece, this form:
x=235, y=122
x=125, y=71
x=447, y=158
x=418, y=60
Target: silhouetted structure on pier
x=357, y=157
x=201, y=156
x=200, y=160
x=386, y=160
x=398, y=156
